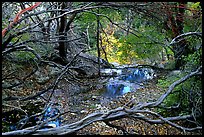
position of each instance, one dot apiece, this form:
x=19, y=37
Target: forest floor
x=89, y=101
x=150, y=92
x=79, y=104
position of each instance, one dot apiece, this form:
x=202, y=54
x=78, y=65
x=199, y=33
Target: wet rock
x=160, y=65
x=84, y=111
x=115, y=64
x=114, y=72
x=141, y=84
x=94, y=97
x=73, y=114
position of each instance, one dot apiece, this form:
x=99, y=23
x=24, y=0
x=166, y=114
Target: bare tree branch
x=119, y=113
x=174, y=41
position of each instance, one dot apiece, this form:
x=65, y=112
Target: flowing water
x=126, y=80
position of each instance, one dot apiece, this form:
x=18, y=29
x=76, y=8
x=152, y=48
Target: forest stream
x=106, y=93
x=102, y=68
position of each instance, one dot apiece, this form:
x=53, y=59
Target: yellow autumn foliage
x=115, y=50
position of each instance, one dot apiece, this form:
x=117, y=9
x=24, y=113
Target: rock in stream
x=126, y=80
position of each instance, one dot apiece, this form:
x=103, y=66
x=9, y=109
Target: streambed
x=126, y=80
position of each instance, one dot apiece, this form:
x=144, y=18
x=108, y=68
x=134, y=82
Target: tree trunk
x=62, y=45
x=63, y=29
x=181, y=48
x=177, y=24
